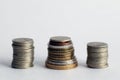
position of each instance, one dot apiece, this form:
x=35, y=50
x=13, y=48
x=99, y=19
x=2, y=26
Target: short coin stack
x=61, y=53
x=97, y=55
x=23, y=53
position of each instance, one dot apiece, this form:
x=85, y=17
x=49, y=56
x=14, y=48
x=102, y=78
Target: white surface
x=82, y=20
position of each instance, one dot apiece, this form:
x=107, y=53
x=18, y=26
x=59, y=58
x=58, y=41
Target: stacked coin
x=97, y=55
x=61, y=53
x=23, y=53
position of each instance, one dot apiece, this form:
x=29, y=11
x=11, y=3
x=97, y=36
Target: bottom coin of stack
x=61, y=53
x=97, y=55
x=23, y=53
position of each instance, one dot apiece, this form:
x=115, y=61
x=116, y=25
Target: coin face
x=23, y=40
x=60, y=38
x=97, y=44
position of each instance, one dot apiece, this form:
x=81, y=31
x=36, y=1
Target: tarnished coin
x=61, y=63
x=61, y=53
x=97, y=55
x=103, y=49
x=60, y=39
x=97, y=44
x=22, y=40
x=58, y=67
x=23, y=53
x=60, y=47
x=61, y=50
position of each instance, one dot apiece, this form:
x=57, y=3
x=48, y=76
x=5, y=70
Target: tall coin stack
x=97, y=55
x=23, y=53
x=61, y=53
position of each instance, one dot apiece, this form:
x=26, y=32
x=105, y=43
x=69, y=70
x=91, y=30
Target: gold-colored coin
x=60, y=50
x=61, y=55
x=60, y=59
x=70, y=66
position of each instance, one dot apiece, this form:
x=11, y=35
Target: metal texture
x=23, y=53
x=97, y=55
x=61, y=53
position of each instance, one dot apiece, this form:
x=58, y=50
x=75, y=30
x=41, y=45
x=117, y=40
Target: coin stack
x=61, y=53
x=23, y=53
x=97, y=55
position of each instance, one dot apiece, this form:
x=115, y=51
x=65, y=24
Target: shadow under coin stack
x=97, y=55
x=23, y=53
x=61, y=53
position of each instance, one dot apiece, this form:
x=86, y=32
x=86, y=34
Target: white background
x=82, y=20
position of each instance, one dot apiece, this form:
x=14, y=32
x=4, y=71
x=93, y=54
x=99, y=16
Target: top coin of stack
x=23, y=53
x=61, y=53
x=97, y=55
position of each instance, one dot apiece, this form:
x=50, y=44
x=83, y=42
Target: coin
x=61, y=50
x=97, y=44
x=61, y=53
x=57, y=67
x=59, y=43
x=22, y=40
x=23, y=53
x=60, y=47
x=97, y=49
x=97, y=55
x=60, y=39
x=59, y=62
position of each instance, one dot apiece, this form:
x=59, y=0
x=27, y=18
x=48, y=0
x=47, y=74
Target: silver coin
x=103, y=49
x=97, y=60
x=98, y=66
x=60, y=38
x=97, y=44
x=97, y=55
x=60, y=47
x=22, y=40
x=23, y=53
